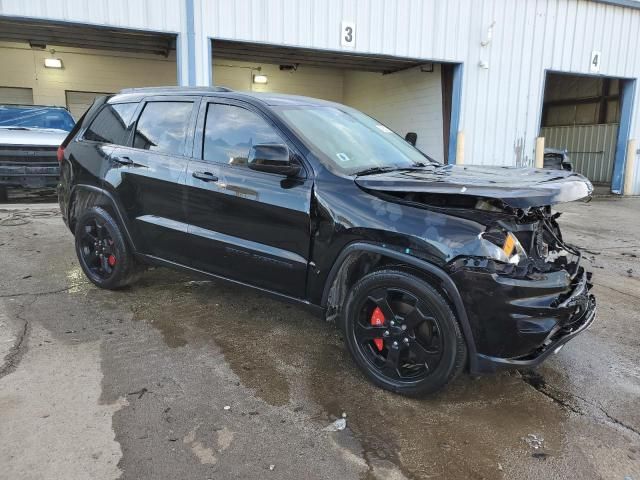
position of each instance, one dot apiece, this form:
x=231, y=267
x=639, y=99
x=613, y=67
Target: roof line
x=621, y=3
x=174, y=88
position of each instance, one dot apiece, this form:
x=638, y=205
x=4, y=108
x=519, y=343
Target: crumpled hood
x=32, y=137
x=516, y=187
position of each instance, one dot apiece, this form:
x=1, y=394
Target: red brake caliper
x=377, y=320
x=111, y=258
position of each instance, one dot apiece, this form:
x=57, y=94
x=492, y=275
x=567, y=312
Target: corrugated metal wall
x=591, y=148
x=500, y=105
x=156, y=15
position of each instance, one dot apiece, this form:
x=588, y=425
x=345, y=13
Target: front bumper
x=489, y=364
x=32, y=175
x=520, y=322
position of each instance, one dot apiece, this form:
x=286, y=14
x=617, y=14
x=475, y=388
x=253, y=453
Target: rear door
x=148, y=175
x=246, y=225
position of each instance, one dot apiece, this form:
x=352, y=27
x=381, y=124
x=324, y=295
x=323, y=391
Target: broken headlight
x=502, y=246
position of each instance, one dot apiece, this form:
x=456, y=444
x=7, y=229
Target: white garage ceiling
x=42, y=33
x=279, y=55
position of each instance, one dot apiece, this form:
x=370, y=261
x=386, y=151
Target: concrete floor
x=135, y=384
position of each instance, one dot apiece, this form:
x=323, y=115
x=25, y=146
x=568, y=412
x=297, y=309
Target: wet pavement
x=136, y=383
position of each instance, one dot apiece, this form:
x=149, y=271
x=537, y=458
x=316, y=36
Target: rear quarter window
x=111, y=124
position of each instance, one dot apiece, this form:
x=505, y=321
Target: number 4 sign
x=348, y=34
x=594, y=66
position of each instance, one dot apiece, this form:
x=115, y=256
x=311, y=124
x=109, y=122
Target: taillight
x=60, y=154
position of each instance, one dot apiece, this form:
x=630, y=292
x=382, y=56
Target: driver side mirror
x=272, y=158
x=412, y=138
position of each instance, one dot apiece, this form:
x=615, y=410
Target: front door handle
x=123, y=160
x=205, y=176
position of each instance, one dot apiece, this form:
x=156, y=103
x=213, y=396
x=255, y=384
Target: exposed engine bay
x=523, y=241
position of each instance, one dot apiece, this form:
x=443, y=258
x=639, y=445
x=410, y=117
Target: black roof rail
x=175, y=89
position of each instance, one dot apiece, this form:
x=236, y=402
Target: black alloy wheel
x=102, y=251
x=396, y=336
x=97, y=248
x=402, y=333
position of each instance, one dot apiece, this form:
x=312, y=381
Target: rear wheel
x=4, y=195
x=104, y=256
x=402, y=333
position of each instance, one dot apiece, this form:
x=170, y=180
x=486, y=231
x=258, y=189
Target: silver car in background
x=29, y=139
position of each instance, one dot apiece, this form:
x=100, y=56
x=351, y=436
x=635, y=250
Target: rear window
x=111, y=124
x=26, y=117
x=162, y=127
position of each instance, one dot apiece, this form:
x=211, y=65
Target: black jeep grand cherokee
x=428, y=268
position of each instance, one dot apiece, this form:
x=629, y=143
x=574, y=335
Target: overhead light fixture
x=260, y=79
x=52, y=63
x=37, y=44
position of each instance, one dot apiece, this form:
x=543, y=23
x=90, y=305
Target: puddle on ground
x=188, y=311
x=277, y=349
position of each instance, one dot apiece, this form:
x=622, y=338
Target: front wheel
x=402, y=333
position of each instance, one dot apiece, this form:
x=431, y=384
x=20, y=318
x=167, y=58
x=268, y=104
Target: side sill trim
x=260, y=249
x=447, y=283
x=314, y=309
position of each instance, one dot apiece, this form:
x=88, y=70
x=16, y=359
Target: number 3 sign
x=348, y=34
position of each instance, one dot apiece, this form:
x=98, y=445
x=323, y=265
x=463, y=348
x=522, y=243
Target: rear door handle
x=123, y=160
x=205, y=176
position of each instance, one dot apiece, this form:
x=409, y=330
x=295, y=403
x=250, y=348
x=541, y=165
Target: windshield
x=35, y=117
x=350, y=142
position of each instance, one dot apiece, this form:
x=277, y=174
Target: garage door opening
x=410, y=96
x=589, y=118
x=93, y=61
x=68, y=65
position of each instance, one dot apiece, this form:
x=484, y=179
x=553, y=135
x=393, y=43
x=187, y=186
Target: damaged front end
x=525, y=290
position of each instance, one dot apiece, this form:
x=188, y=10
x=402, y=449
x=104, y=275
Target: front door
x=149, y=176
x=246, y=225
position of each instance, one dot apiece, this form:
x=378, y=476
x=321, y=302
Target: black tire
x=97, y=225
x=432, y=349
x=4, y=195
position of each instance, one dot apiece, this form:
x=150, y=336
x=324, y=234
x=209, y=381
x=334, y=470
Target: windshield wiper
x=376, y=170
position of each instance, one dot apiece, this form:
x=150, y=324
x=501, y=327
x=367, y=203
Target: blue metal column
x=456, y=107
x=191, y=43
x=627, y=93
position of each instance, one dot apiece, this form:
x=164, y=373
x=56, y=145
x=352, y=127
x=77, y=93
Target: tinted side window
x=230, y=131
x=111, y=124
x=162, y=127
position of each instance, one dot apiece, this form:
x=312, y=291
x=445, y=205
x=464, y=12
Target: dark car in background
x=427, y=268
x=29, y=139
x=558, y=159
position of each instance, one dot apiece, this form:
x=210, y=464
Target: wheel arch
x=358, y=258
x=84, y=196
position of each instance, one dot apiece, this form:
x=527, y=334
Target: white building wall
x=155, y=15
x=500, y=106
x=84, y=70
x=325, y=83
x=152, y=15
x=406, y=101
